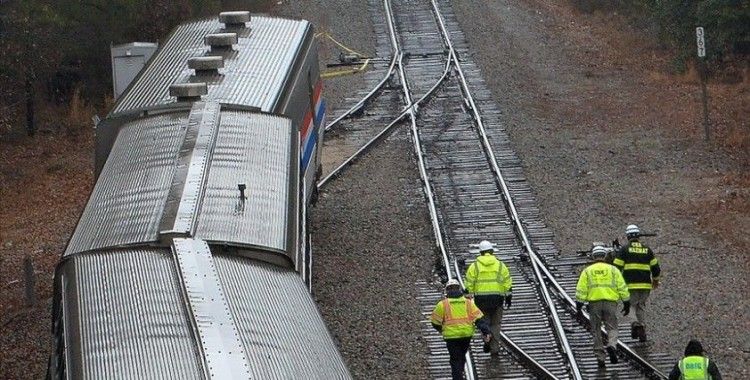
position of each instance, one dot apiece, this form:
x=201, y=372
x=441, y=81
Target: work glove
x=508, y=299
x=461, y=263
x=625, y=308
x=616, y=244
x=579, y=309
x=654, y=283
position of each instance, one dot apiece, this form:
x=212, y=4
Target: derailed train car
x=192, y=257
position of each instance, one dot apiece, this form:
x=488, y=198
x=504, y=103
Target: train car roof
x=254, y=73
x=128, y=312
x=167, y=169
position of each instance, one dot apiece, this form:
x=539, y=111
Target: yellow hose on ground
x=338, y=73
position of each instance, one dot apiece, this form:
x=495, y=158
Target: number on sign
x=701, y=42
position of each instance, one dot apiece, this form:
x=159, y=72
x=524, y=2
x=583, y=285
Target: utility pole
x=699, y=35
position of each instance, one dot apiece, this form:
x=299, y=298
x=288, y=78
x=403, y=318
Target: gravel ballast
x=372, y=243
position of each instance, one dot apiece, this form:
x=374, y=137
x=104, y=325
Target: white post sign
x=699, y=37
x=701, y=42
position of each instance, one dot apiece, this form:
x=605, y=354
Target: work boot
x=633, y=330
x=641, y=334
x=612, y=355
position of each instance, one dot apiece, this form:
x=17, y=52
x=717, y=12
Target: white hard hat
x=632, y=230
x=598, y=251
x=485, y=246
x=452, y=282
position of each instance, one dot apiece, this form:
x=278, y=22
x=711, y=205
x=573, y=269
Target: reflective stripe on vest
x=633, y=266
x=459, y=315
x=694, y=368
x=640, y=286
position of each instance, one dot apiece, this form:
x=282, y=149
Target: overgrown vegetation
x=52, y=51
x=671, y=25
x=726, y=24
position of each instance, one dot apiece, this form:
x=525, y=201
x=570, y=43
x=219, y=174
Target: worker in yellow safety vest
x=455, y=317
x=602, y=285
x=488, y=281
x=641, y=270
x=695, y=365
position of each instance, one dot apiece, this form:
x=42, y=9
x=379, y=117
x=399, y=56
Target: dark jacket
x=638, y=264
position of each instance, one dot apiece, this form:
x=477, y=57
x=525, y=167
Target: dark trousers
x=492, y=308
x=457, y=349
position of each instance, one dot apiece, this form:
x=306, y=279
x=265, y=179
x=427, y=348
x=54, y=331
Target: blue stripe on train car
x=312, y=140
x=321, y=112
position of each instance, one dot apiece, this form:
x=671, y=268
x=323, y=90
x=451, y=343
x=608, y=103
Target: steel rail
x=411, y=110
x=470, y=371
x=368, y=145
x=538, y=264
x=361, y=103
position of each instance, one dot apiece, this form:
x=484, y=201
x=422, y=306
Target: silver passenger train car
x=192, y=257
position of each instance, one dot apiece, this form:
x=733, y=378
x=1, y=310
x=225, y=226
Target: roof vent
x=236, y=19
x=206, y=65
x=188, y=91
x=220, y=41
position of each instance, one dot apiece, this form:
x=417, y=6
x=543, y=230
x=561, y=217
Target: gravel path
x=348, y=21
x=371, y=237
x=604, y=145
x=372, y=243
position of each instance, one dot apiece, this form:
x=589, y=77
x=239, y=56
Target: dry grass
x=79, y=114
x=673, y=100
x=44, y=183
x=725, y=211
x=738, y=139
x=628, y=43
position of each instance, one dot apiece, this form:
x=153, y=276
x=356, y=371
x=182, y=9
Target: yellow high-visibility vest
x=456, y=316
x=694, y=368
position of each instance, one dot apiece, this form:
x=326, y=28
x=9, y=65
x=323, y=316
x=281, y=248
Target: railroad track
x=475, y=190
x=357, y=127
x=372, y=115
